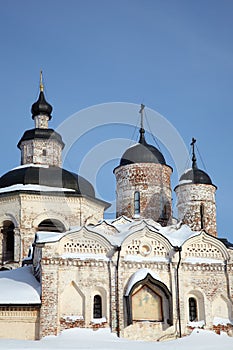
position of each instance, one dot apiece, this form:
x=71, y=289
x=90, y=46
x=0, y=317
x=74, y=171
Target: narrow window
x=44, y=152
x=202, y=215
x=9, y=241
x=192, y=309
x=97, y=307
x=136, y=202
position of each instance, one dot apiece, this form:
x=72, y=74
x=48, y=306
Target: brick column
x=49, y=299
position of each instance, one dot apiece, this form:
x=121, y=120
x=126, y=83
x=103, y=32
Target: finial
x=41, y=81
x=142, y=114
x=142, y=130
x=194, y=159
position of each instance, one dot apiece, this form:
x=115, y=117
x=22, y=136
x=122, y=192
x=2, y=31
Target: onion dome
x=142, y=152
x=47, y=176
x=195, y=175
x=37, y=133
x=41, y=106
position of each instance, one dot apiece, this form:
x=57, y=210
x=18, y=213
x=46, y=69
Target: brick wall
x=153, y=183
x=189, y=200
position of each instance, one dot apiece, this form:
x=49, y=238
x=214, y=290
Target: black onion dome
x=38, y=133
x=142, y=152
x=41, y=107
x=195, y=176
x=51, y=176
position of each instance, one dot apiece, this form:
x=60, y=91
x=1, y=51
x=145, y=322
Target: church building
x=144, y=274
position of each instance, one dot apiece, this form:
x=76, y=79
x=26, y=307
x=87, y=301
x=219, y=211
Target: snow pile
x=221, y=321
x=197, y=324
x=102, y=339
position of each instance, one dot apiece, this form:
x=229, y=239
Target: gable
x=204, y=246
x=146, y=244
x=83, y=242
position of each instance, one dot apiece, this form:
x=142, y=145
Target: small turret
x=196, y=198
x=143, y=182
x=41, y=145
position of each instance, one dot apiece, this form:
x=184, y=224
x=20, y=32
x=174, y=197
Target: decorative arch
x=54, y=218
x=205, y=245
x=84, y=241
x=147, y=243
x=9, y=217
x=147, y=299
x=51, y=225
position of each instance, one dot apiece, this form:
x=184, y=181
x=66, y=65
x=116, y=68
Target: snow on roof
x=21, y=187
x=182, y=182
x=176, y=234
x=200, y=260
x=19, y=286
x=139, y=276
x=43, y=236
x=31, y=165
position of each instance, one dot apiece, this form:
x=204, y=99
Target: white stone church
x=144, y=274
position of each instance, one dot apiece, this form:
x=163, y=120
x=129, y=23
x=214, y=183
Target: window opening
x=136, y=202
x=192, y=309
x=97, y=307
x=9, y=240
x=202, y=215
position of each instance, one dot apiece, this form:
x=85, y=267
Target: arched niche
x=148, y=300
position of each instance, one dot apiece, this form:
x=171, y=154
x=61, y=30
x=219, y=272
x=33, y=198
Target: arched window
x=202, y=215
x=8, y=240
x=97, y=307
x=192, y=309
x=137, y=203
x=51, y=225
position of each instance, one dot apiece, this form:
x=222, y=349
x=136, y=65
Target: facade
x=143, y=274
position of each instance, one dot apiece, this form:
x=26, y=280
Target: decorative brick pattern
x=153, y=183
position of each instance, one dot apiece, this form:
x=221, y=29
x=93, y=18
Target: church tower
x=143, y=187
x=196, y=198
x=41, y=145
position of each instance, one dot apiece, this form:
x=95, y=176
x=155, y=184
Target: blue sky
x=175, y=56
